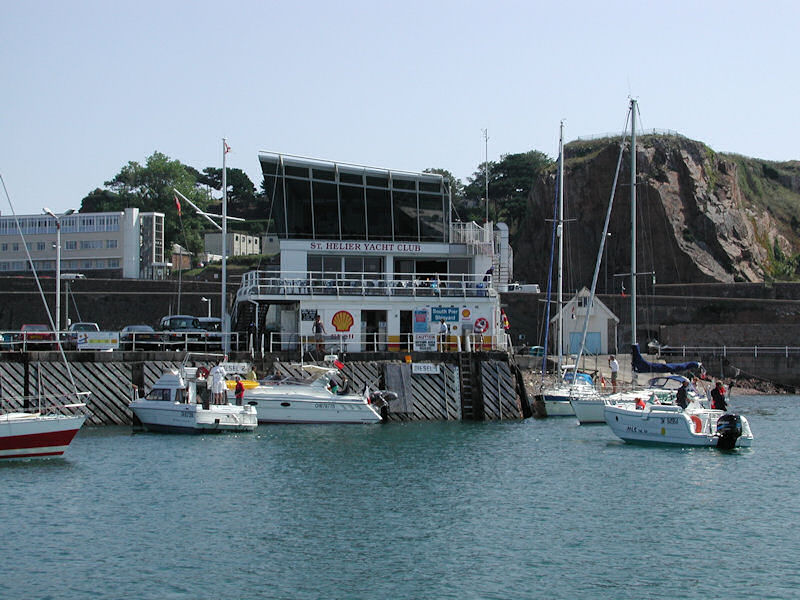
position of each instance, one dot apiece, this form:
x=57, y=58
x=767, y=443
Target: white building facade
x=128, y=244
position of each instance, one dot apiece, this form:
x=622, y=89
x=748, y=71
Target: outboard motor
x=381, y=399
x=729, y=429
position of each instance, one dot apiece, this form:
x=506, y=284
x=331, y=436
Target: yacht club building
x=377, y=255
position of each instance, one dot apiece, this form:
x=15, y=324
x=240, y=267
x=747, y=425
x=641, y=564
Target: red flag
x=227, y=148
x=338, y=364
x=178, y=205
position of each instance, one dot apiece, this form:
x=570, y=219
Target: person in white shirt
x=218, y=387
x=443, y=329
x=614, y=366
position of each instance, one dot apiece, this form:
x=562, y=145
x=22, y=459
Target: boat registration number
x=324, y=405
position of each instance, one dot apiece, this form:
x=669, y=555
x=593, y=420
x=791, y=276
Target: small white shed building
x=601, y=335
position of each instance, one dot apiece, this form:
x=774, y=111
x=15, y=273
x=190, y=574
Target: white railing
x=310, y=283
x=754, y=351
x=36, y=341
x=374, y=342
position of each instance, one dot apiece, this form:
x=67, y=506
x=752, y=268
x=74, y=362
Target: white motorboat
x=44, y=433
x=317, y=399
x=176, y=405
x=662, y=389
x=645, y=422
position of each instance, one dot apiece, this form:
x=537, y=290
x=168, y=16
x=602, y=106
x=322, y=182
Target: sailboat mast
x=223, y=308
x=633, y=221
x=560, y=234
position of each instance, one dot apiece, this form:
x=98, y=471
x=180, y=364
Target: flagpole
x=226, y=342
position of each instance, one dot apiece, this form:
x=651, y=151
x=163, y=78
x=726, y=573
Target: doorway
x=373, y=330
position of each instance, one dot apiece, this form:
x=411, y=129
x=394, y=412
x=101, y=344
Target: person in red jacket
x=718, y=397
x=239, y=391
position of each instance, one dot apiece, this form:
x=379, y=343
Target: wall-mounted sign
x=425, y=369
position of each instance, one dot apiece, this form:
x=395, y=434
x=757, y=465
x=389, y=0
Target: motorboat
x=47, y=432
x=178, y=402
x=661, y=389
x=324, y=396
x=645, y=421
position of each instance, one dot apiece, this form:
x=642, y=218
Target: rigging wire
x=39, y=285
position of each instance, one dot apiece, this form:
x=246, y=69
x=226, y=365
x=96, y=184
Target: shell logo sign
x=465, y=314
x=343, y=321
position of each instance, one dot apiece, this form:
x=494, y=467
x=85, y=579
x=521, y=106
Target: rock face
x=701, y=216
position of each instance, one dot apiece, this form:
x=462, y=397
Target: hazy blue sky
x=89, y=86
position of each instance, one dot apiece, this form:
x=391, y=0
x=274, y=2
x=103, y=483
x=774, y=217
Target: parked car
x=141, y=337
x=213, y=327
x=182, y=331
x=36, y=336
x=70, y=339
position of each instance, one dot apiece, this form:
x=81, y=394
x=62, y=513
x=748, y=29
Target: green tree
x=241, y=191
x=455, y=185
x=149, y=188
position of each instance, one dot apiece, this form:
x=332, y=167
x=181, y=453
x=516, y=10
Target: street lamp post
x=208, y=302
x=58, y=218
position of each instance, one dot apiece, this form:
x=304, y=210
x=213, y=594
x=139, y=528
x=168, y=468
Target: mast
x=223, y=311
x=633, y=221
x=560, y=234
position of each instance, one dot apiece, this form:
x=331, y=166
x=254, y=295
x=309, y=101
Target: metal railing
x=374, y=342
x=305, y=283
x=27, y=341
x=754, y=351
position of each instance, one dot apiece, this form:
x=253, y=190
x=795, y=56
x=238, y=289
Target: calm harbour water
x=525, y=509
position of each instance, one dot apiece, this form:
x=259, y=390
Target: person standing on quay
x=443, y=329
x=319, y=333
x=614, y=366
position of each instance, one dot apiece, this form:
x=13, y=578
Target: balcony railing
x=289, y=283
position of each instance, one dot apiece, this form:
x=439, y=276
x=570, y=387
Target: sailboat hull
x=37, y=436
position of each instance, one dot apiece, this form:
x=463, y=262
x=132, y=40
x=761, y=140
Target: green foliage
x=455, y=185
x=510, y=183
x=780, y=266
x=149, y=188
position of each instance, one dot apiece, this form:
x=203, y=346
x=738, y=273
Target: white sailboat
x=44, y=425
x=571, y=384
x=648, y=420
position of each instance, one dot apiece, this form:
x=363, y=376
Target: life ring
x=202, y=373
x=698, y=424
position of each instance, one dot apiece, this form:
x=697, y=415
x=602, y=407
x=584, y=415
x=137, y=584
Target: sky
x=90, y=86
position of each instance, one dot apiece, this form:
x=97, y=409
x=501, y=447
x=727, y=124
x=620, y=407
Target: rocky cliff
x=702, y=216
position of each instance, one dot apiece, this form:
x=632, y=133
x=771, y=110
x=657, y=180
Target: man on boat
x=718, y=397
x=681, y=398
x=614, y=366
x=218, y=387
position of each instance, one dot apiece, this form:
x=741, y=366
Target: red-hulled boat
x=40, y=434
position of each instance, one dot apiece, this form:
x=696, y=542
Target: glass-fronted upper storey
x=313, y=199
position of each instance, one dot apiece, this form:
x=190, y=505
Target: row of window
x=71, y=224
x=68, y=245
x=50, y=265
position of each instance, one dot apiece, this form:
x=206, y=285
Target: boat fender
x=698, y=424
x=602, y=382
x=202, y=373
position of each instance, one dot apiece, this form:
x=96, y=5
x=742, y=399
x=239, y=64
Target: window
x=4, y=247
x=15, y=247
x=40, y=246
x=111, y=243
x=71, y=245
